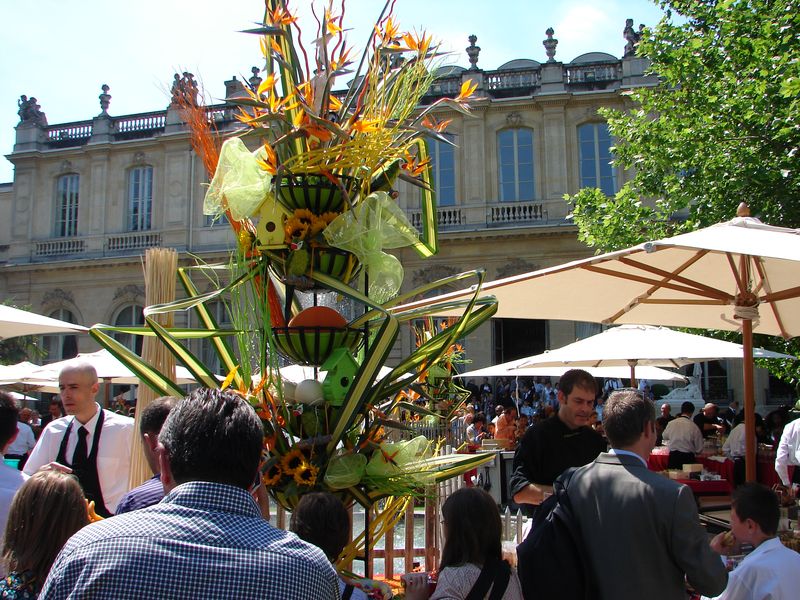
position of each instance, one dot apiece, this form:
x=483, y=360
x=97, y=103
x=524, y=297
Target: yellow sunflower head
x=273, y=475
x=295, y=229
x=292, y=461
x=306, y=474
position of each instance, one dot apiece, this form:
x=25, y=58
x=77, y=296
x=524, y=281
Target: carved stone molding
x=432, y=273
x=139, y=158
x=516, y=266
x=66, y=166
x=514, y=119
x=130, y=293
x=58, y=298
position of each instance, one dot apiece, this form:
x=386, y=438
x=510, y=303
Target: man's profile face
x=665, y=410
x=78, y=390
x=577, y=407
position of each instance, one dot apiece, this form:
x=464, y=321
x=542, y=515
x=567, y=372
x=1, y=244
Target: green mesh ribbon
x=374, y=224
x=240, y=184
x=345, y=470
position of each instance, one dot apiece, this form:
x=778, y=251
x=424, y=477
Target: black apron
x=87, y=474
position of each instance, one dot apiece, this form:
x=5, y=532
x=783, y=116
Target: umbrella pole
x=749, y=401
x=632, y=364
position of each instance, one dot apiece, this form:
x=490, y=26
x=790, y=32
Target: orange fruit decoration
x=318, y=316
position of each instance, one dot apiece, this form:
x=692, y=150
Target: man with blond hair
x=92, y=443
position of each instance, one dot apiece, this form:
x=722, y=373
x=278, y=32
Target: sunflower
x=295, y=229
x=273, y=475
x=306, y=474
x=292, y=461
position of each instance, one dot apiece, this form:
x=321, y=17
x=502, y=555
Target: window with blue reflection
x=443, y=165
x=515, y=157
x=596, y=170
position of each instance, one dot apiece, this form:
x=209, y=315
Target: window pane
x=595, y=158
x=516, y=164
x=140, y=198
x=130, y=316
x=66, y=217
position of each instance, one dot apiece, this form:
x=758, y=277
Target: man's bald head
x=78, y=385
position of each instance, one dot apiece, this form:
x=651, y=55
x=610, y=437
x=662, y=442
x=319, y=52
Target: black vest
x=87, y=475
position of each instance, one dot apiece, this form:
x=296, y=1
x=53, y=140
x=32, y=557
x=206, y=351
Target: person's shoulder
x=117, y=420
x=56, y=426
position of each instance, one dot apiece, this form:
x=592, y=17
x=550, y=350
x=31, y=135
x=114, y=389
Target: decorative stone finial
x=632, y=37
x=472, y=52
x=30, y=113
x=184, y=90
x=255, y=80
x=743, y=210
x=105, y=100
x=550, y=45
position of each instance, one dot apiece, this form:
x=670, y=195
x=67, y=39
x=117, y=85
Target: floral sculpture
x=313, y=207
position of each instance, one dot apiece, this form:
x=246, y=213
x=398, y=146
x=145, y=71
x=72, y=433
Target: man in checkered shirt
x=206, y=538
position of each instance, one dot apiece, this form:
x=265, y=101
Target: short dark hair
x=759, y=503
x=577, y=378
x=687, y=408
x=9, y=415
x=479, y=418
x=473, y=528
x=154, y=414
x=321, y=519
x=213, y=435
x=625, y=416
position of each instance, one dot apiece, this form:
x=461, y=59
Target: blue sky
x=62, y=51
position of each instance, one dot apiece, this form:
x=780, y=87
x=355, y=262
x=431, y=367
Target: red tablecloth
x=765, y=466
x=720, y=486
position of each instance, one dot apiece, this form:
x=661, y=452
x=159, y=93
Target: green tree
x=20, y=348
x=722, y=127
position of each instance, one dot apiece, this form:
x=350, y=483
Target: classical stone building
x=88, y=197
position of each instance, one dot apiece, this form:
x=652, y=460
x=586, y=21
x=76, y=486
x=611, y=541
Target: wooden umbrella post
x=632, y=365
x=749, y=401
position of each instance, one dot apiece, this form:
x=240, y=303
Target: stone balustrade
x=132, y=241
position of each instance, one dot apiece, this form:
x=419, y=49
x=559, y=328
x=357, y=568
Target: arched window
x=208, y=353
x=63, y=345
x=131, y=315
x=594, y=144
x=443, y=164
x=515, y=164
x=66, y=217
x=140, y=198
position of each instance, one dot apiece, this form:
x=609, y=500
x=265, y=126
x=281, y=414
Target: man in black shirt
x=707, y=421
x=555, y=444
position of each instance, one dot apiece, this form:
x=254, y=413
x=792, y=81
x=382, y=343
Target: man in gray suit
x=640, y=530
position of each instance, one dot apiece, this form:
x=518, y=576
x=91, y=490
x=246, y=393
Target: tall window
x=131, y=315
x=140, y=198
x=594, y=142
x=515, y=157
x=60, y=346
x=443, y=163
x=67, y=205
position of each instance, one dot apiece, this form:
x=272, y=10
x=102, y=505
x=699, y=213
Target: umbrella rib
x=675, y=276
x=697, y=290
x=768, y=296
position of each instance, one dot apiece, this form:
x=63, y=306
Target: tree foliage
x=722, y=127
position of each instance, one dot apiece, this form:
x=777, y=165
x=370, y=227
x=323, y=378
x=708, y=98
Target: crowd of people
x=199, y=527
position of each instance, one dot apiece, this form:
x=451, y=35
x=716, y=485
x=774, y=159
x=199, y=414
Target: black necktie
x=81, y=450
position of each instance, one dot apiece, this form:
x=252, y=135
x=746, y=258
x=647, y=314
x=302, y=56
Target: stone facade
x=95, y=272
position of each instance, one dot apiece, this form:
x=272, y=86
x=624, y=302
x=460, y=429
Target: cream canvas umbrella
x=513, y=369
x=740, y=275
x=635, y=346
x=15, y=322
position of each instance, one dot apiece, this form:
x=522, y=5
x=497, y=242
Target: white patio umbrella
x=741, y=275
x=513, y=369
x=637, y=345
x=109, y=370
x=15, y=322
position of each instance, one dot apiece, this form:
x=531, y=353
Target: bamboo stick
x=160, y=268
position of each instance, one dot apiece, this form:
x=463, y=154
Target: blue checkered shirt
x=204, y=540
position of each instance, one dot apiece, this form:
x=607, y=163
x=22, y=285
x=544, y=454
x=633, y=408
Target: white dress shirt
x=10, y=481
x=788, y=451
x=734, y=446
x=113, y=454
x=682, y=435
x=24, y=442
x=770, y=571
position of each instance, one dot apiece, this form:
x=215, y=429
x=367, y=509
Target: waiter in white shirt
x=92, y=443
x=789, y=453
x=683, y=438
